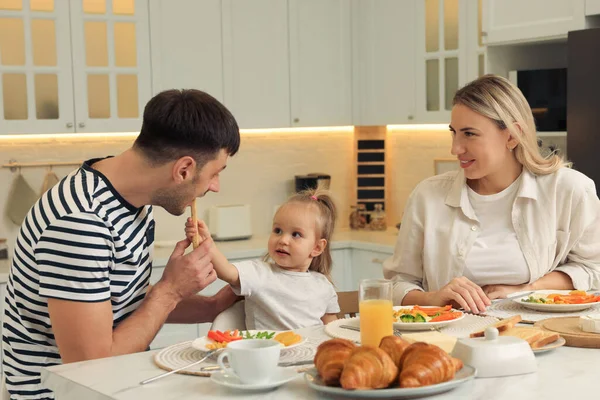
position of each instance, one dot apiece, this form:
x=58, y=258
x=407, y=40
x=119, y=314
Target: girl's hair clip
x=314, y=197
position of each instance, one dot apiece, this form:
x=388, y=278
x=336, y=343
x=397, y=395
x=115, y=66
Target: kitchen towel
x=49, y=180
x=21, y=198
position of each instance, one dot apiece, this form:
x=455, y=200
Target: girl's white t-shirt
x=496, y=256
x=277, y=299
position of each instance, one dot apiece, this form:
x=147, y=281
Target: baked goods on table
x=395, y=363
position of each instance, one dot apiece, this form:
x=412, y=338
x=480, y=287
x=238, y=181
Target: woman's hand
x=502, y=291
x=463, y=292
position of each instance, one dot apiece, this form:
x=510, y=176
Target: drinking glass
x=376, y=310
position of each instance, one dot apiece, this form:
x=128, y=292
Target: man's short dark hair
x=186, y=122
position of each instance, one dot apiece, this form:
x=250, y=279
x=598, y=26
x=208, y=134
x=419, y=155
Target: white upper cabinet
x=256, y=62
x=111, y=64
x=35, y=67
x=592, y=7
x=506, y=21
x=320, y=62
x=383, y=61
x=187, y=45
x=441, y=56
x=73, y=66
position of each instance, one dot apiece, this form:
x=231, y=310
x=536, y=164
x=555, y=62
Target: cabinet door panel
x=35, y=68
x=111, y=61
x=367, y=265
x=256, y=62
x=320, y=62
x=187, y=45
x=535, y=19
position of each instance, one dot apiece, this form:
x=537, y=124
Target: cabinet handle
x=296, y=120
x=82, y=124
x=377, y=261
x=411, y=117
x=483, y=33
x=69, y=124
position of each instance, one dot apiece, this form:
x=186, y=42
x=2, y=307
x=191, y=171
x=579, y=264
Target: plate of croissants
x=395, y=369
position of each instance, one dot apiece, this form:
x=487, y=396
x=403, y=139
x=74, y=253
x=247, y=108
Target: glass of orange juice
x=376, y=311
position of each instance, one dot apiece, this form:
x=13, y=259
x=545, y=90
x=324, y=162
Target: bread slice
x=547, y=338
x=527, y=333
x=502, y=325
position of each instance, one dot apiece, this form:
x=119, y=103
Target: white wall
x=261, y=174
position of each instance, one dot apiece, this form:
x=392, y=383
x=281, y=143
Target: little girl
x=291, y=287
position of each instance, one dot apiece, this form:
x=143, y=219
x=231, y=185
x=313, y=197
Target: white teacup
x=251, y=360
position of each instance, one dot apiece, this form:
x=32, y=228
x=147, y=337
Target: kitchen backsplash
x=261, y=174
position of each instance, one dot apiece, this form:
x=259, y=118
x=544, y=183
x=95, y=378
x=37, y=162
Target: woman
x=510, y=220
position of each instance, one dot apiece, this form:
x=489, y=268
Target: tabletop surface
x=562, y=373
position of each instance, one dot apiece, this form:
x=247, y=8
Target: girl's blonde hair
x=498, y=99
x=326, y=216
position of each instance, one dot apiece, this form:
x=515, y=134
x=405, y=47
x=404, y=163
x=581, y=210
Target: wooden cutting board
x=568, y=328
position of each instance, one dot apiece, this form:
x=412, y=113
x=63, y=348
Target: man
x=78, y=286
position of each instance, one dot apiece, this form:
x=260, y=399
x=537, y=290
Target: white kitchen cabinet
x=35, y=67
x=320, y=62
x=187, y=46
x=383, y=45
x=256, y=62
x=367, y=264
x=341, y=271
x=592, y=7
x=441, y=56
x=512, y=21
x=74, y=66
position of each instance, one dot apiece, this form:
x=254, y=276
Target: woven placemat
x=508, y=308
x=182, y=354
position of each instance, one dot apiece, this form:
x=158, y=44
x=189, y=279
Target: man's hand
x=187, y=274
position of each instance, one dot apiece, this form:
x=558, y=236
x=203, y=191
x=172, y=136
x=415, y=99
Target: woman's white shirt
x=556, y=219
x=496, y=256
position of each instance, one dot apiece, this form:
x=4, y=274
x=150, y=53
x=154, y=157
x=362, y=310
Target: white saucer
x=283, y=375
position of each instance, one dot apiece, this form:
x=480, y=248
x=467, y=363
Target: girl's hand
x=190, y=230
x=502, y=291
x=463, y=292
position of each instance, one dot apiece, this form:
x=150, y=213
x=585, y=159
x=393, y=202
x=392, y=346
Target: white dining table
x=563, y=373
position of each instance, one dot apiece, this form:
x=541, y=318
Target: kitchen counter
x=256, y=246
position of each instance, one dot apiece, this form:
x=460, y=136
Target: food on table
x=330, y=359
x=425, y=364
x=429, y=314
x=221, y=339
x=368, y=368
x=501, y=325
x=574, y=297
x=288, y=338
x=536, y=337
x=394, y=346
x=340, y=362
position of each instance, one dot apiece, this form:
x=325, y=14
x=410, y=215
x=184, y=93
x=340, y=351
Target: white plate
x=313, y=380
x=551, y=346
x=200, y=343
x=423, y=326
x=282, y=376
x=552, y=307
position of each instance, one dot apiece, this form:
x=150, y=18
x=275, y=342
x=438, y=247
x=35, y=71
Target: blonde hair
x=326, y=216
x=498, y=99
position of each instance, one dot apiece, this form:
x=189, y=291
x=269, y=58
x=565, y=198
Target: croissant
x=368, y=368
x=394, y=347
x=425, y=364
x=330, y=359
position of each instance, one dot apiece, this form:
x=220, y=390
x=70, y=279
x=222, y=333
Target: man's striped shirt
x=81, y=242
